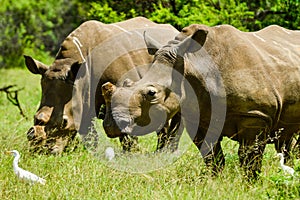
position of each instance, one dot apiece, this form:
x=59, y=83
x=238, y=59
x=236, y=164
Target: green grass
x=81, y=175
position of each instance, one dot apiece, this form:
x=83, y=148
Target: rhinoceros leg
x=212, y=153
x=250, y=154
x=215, y=159
x=100, y=106
x=284, y=146
x=252, y=135
x=296, y=147
x=285, y=141
x=169, y=136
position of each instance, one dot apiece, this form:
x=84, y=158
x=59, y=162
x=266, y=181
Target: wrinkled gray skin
x=91, y=55
x=247, y=88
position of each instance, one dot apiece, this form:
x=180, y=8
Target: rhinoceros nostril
x=30, y=134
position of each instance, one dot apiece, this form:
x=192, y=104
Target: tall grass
x=82, y=175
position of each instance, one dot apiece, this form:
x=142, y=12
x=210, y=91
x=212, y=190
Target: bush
x=37, y=26
x=104, y=13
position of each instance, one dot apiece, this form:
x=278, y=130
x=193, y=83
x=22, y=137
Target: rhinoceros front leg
x=212, y=153
x=169, y=136
x=215, y=159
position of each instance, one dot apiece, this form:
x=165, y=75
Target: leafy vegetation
x=38, y=27
x=82, y=175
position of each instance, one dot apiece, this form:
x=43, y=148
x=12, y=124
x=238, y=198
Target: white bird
x=285, y=168
x=23, y=174
x=109, y=153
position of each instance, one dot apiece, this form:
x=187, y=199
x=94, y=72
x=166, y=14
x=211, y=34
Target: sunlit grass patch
x=81, y=174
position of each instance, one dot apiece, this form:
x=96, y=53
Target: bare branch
x=12, y=96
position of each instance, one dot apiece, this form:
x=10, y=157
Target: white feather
x=284, y=167
x=23, y=174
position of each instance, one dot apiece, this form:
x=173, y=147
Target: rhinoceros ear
x=152, y=45
x=193, y=43
x=75, y=68
x=34, y=66
x=200, y=37
x=107, y=91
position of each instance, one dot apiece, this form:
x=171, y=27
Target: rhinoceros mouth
x=43, y=140
x=135, y=129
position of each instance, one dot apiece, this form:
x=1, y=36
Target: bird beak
x=7, y=152
x=276, y=156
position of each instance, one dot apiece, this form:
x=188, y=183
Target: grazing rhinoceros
x=224, y=82
x=91, y=55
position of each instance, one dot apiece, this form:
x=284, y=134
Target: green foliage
x=204, y=12
x=104, y=13
x=235, y=13
x=38, y=27
x=200, y=13
x=163, y=15
x=132, y=8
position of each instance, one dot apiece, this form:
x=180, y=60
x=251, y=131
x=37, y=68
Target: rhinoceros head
x=53, y=122
x=137, y=109
x=146, y=105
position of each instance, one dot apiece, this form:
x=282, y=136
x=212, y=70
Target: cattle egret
x=109, y=153
x=285, y=168
x=23, y=174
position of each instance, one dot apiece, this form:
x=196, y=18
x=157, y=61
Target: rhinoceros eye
x=151, y=92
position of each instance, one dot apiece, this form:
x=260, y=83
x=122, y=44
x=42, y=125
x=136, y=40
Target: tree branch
x=12, y=96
